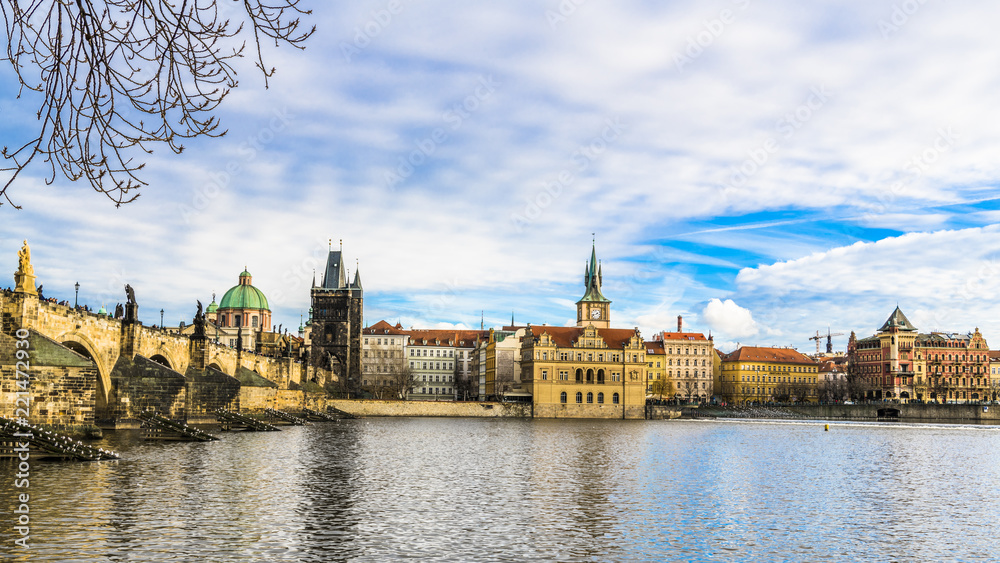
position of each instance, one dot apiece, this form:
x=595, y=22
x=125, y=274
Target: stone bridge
x=141, y=367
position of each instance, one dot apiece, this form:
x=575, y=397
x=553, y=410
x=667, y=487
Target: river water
x=514, y=490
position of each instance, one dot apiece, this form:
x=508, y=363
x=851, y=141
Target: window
x=579, y=397
x=614, y=398
x=590, y=397
x=545, y=374
x=562, y=397
x=600, y=398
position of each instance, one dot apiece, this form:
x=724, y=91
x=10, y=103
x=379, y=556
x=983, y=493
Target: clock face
x=595, y=313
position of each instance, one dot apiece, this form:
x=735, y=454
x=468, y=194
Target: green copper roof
x=244, y=296
x=212, y=307
x=592, y=280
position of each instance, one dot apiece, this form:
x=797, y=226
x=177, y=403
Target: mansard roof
x=682, y=336
x=761, y=354
x=448, y=338
x=566, y=336
x=383, y=327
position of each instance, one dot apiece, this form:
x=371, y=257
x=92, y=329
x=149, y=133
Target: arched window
x=600, y=376
x=562, y=397
x=600, y=398
x=590, y=376
x=579, y=397
x=614, y=398
x=590, y=397
x=579, y=376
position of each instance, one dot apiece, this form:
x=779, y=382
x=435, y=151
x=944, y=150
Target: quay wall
x=909, y=411
x=431, y=408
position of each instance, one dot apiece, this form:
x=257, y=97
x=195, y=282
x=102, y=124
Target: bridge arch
x=162, y=360
x=220, y=363
x=82, y=345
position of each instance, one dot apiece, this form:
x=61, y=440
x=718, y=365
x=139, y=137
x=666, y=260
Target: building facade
x=588, y=370
x=385, y=371
x=688, y=364
x=900, y=364
x=755, y=375
x=437, y=359
x=336, y=323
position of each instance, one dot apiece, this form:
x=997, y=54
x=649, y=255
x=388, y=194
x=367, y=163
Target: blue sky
x=765, y=169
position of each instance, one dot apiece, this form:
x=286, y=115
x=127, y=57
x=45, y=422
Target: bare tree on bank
x=120, y=76
x=402, y=382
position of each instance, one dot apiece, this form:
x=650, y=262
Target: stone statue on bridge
x=24, y=260
x=24, y=278
x=199, y=323
x=131, y=307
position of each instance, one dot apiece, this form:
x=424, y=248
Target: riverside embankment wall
x=431, y=408
x=912, y=411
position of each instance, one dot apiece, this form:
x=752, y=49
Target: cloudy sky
x=765, y=169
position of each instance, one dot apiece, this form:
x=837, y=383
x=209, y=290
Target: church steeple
x=593, y=307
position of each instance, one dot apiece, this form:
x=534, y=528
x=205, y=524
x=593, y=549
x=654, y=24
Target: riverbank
x=981, y=414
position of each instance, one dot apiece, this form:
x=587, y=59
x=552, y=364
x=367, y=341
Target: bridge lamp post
x=161, y=319
x=76, y=299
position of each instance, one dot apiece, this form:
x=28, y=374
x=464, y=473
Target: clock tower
x=593, y=308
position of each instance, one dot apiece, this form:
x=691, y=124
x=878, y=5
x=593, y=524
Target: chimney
x=680, y=323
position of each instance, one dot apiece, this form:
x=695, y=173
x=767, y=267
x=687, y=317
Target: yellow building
x=657, y=384
x=760, y=375
x=588, y=370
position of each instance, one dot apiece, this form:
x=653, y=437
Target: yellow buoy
x=826, y=428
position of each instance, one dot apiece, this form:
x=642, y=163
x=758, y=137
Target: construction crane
x=829, y=340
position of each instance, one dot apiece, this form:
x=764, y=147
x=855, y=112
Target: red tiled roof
x=383, y=327
x=683, y=336
x=441, y=337
x=564, y=336
x=654, y=347
x=777, y=355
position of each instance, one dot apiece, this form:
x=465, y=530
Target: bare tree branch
x=118, y=77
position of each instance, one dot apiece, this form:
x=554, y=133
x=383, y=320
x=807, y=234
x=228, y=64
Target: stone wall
x=63, y=385
x=432, y=408
x=138, y=384
x=294, y=401
x=662, y=412
x=907, y=412
x=577, y=410
x=209, y=390
x=256, y=399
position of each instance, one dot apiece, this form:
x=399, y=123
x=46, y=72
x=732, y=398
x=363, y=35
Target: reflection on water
x=507, y=490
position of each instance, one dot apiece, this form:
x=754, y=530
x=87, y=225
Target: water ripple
x=515, y=490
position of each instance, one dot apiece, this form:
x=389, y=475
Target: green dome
x=212, y=307
x=244, y=296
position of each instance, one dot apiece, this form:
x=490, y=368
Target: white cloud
x=729, y=319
